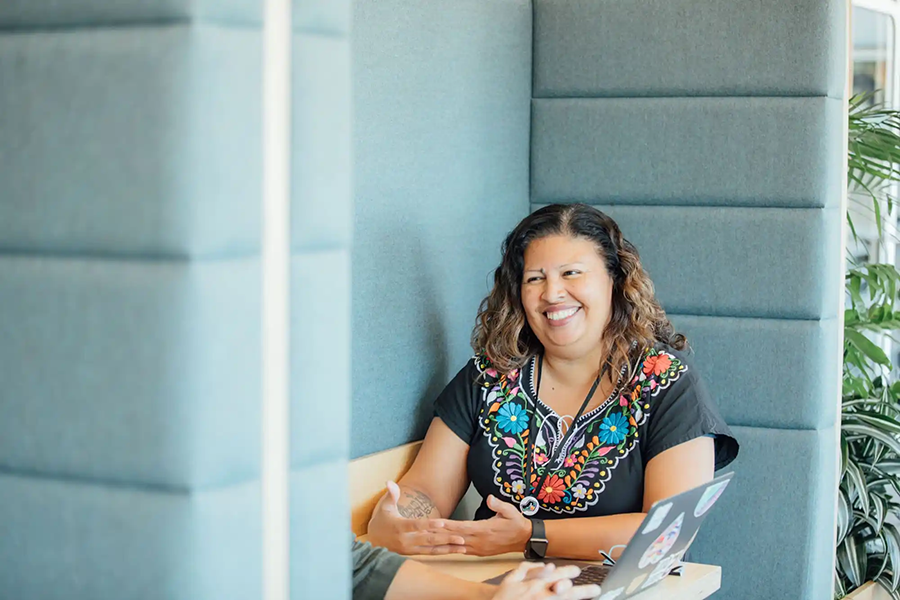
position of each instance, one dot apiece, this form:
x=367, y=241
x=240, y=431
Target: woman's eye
x=532, y=279
x=570, y=273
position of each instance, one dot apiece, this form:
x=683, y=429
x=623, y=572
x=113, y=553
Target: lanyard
x=529, y=505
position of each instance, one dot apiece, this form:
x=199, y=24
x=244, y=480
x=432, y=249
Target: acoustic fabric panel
x=773, y=530
x=689, y=48
x=60, y=540
x=441, y=121
x=321, y=238
x=712, y=131
x=320, y=531
x=322, y=18
x=320, y=366
x=780, y=360
x=322, y=213
x=737, y=261
x=130, y=164
x=128, y=141
x=689, y=151
x=137, y=372
x=91, y=13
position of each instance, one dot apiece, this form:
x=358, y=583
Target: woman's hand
x=507, y=531
x=535, y=581
x=409, y=535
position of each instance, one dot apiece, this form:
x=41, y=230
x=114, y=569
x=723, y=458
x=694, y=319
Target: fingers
x=579, y=592
x=430, y=538
x=504, y=509
x=523, y=572
x=439, y=550
x=561, y=573
x=394, y=491
x=541, y=573
x=414, y=525
x=467, y=527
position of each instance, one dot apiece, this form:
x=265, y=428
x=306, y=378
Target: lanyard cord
x=532, y=447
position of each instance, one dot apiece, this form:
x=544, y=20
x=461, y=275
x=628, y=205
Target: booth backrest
x=710, y=130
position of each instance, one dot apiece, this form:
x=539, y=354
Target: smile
x=561, y=315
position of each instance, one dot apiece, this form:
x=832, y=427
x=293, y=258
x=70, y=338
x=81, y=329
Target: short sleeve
x=685, y=411
x=374, y=570
x=457, y=405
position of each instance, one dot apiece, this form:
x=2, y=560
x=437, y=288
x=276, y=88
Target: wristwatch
x=536, y=546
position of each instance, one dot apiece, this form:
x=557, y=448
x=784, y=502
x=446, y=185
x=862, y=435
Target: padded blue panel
x=738, y=261
x=767, y=372
x=320, y=532
x=782, y=152
x=91, y=13
x=441, y=145
x=142, y=141
x=324, y=17
x=773, y=529
x=138, y=372
x=689, y=47
x=69, y=541
x=322, y=205
x=320, y=357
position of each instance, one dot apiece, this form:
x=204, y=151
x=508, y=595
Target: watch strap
x=536, y=546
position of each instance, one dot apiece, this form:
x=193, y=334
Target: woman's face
x=566, y=294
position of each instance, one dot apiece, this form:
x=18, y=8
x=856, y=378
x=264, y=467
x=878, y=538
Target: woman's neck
x=574, y=371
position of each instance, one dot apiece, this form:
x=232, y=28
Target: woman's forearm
x=584, y=537
x=416, y=503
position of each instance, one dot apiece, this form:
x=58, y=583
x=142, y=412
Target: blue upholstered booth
x=712, y=131
x=130, y=182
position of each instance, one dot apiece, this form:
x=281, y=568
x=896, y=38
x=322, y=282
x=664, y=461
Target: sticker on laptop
x=656, y=520
x=709, y=497
x=661, y=546
x=635, y=584
x=612, y=594
x=663, y=569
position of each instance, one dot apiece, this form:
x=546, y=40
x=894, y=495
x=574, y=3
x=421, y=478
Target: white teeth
x=561, y=314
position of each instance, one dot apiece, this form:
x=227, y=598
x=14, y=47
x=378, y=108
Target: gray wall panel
x=320, y=532
x=776, y=518
x=441, y=153
x=92, y=13
x=755, y=367
x=64, y=540
x=145, y=141
x=690, y=48
x=140, y=372
x=766, y=152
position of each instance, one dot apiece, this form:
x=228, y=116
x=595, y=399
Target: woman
x=578, y=412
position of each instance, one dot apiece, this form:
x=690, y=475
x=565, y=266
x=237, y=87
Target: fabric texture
x=441, y=122
x=373, y=570
x=598, y=469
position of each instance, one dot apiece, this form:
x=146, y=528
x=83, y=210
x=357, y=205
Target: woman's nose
x=553, y=290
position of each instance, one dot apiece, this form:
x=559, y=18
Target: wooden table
x=697, y=582
x=368, y=474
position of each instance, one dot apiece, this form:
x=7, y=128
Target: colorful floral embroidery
x=599, y=440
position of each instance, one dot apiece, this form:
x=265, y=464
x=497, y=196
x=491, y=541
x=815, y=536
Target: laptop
x=657, y=548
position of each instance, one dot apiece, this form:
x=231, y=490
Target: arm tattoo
x=419, y=506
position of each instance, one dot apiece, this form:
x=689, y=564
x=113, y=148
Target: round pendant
x=529, y=506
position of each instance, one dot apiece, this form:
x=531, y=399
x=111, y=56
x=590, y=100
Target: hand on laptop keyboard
x=535, y=581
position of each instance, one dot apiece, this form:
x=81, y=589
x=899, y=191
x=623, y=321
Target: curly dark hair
x=637, y=321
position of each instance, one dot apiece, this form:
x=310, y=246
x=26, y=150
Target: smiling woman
x=580, y=406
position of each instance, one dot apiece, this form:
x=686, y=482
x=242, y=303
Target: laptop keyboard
x=592, y=574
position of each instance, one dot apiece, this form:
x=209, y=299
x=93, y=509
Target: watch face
x=537, y=549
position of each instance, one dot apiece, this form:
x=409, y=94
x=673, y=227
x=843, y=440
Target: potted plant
x=868, y=538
